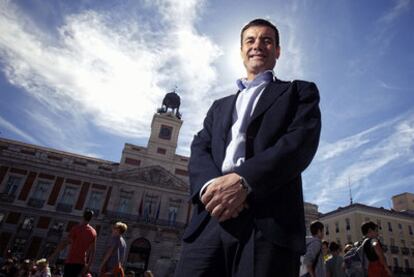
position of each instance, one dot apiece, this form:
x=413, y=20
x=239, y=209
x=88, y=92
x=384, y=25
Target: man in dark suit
x=245, y=170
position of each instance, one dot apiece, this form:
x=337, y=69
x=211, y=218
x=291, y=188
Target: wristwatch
x=244, y=185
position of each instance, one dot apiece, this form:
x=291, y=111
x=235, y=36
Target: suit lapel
x=227, y=115
x=269, y=95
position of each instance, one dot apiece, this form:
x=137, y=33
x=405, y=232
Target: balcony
x=54, y=235
x=123, y=216
x=141, y=219
x=394, y=249
x=36, y=203
x=405, y=250
x=8, y=198
x=63, y=207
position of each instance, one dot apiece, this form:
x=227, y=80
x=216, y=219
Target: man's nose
x=257, y=44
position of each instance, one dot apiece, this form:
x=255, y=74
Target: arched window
x=138, y=256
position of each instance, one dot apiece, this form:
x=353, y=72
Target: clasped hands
x=225, y=197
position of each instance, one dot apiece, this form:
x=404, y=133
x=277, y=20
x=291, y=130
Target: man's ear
x=277, y=52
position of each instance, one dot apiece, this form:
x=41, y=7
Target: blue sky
x=87, y=76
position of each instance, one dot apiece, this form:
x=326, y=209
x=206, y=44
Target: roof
x=358, y=206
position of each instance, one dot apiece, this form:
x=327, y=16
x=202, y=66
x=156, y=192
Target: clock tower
x=165, y=127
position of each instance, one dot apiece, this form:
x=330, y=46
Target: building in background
x=343, y=225
x=43, y=193
x=403, y=202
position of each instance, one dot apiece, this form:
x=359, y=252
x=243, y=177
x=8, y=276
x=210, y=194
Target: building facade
x=43, y=193
x=403, y=202
x=343, y=225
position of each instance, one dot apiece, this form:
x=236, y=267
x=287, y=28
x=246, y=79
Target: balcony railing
x=36, y=203
x=63, y=207
x=54, y=235
x=405, y=250
x=147, y=220
x=8, y=198
x=394, y=249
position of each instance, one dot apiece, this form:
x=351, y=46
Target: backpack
x=355, y=261
x=303, y=270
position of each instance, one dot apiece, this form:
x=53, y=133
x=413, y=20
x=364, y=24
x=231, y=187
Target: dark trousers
x=217, y=253
x=72, y=270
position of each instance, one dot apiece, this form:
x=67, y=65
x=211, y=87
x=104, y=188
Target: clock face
x=165, y=132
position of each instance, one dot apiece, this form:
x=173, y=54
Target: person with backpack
x=313, y=259
x=377, y=266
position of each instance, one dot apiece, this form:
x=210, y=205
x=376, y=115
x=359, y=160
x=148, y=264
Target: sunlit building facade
x=43, y=193
x=343, y=225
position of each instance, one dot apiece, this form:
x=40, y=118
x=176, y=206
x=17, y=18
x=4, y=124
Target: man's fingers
x=217, y=211
x=227, y=214
x=206, y=197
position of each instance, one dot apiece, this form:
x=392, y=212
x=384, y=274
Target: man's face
x=259, y=50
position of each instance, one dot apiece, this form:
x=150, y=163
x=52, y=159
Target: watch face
x=165, y=132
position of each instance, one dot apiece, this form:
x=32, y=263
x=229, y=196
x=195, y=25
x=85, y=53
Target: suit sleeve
x=202, y=167
x=292, y=152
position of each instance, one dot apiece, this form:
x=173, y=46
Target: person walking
x=313, y=258
x=82, y=241
x=114, y=258
x=377, y=266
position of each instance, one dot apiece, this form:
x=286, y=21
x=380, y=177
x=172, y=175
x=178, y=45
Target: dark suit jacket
x=281, y=139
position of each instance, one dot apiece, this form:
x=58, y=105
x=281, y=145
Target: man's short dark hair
x=366, y=226
x=260, y=22
x=333, y=246
x=87, y=215
x=315, y=227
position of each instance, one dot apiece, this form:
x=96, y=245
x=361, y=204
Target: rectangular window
x=337, y=227
x=95, y=200
x=399, y=226
x=69, y=195
x=348, y=224
x=410, y=229
x=12, y=185
x=389, y=227
x=124, y=203
x=41, y=190
x=327, y=229
x=379, y=224
x=28, y=223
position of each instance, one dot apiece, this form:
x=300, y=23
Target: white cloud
x=9, y=126
x=113, y=75
x=397, y=10
x=359, y=160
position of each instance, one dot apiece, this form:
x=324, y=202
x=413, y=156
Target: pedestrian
x=335, y=264
x=148, y=273
x=114, y=258
x=82, y=241
x=377, y=266
x=348, y=247
x=245, y=170
x=42, y=268
x=313, y=258
x=325, y=251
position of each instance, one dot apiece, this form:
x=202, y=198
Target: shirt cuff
x=203, y=188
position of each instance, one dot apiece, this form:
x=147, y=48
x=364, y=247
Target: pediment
x=155, y=176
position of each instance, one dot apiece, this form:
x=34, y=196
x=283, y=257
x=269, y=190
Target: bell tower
x=165, y=127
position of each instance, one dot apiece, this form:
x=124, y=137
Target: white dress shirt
x=250, y=92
